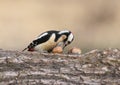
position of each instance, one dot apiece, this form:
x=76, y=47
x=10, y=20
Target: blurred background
x=94, y=23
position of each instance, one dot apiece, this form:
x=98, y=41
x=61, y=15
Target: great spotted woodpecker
x=46, y=41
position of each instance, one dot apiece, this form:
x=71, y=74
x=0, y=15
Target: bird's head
x=68, y=37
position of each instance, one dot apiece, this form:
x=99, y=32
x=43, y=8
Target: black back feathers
x=44, y=37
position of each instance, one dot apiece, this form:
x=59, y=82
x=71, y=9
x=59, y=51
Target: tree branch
x=95, y=67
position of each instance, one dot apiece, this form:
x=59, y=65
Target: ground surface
x=93, y=68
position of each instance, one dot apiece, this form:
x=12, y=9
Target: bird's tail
x=24, y=49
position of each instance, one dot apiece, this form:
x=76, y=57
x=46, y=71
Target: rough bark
x=93, y=68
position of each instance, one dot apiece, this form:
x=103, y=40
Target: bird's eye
x=69, y=42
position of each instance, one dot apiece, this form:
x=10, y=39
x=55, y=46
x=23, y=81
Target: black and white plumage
x=50, y=39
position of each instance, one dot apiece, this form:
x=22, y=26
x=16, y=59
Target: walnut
x=75, y=50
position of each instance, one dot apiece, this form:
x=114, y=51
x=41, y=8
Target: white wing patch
x=64, y=31
x=44, y=34
x=47, y=45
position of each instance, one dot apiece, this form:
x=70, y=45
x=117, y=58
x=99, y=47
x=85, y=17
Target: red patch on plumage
x=31, y=49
